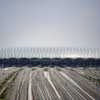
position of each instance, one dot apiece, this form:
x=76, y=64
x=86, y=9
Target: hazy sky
x=70, y=23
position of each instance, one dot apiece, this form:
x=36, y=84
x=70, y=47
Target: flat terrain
x=49, y=84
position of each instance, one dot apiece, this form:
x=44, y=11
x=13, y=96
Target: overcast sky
x=45, y=23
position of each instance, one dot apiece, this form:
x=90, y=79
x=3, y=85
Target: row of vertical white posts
x=49, y=52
